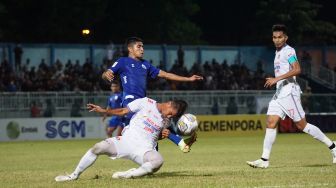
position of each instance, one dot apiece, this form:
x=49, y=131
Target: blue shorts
x=115, y=122
x=126, y=119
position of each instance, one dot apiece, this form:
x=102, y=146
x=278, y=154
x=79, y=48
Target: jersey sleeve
x=136, y=105
x=291, y=56
x=115, y=68
x=153, y=72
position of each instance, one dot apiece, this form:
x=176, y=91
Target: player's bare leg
x=110, y=130
x=119, y=129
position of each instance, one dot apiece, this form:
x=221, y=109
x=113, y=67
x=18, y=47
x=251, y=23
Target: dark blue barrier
x=327, y=123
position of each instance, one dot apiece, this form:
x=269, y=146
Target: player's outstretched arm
x=109, y=112
x=104, y=116
x=174, y=77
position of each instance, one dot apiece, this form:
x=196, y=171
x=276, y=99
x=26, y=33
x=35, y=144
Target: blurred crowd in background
x=86, y=76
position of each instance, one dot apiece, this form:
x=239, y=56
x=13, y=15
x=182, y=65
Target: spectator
x=215, y=107
x=50, y=109
x=35, y=111
x=18, y=56
x=251, y=105
x=11, y=87
x=232, y=107
x=25, y=67
x=76, y=108
x=180, y=56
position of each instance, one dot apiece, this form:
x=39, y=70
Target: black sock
x=264, y=159
x=332, y=146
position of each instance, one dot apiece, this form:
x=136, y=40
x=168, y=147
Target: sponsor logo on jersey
x=152, y=124
x=276, y=67
x=143, y=66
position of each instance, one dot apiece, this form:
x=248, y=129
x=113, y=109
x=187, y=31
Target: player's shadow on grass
x=317, y=165
x=179, y=174
x=310, y=166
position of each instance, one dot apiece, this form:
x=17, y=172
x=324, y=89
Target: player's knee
x=155, y=159
x=157, y=162
x=271, y=123
x=96, y=149
x=99, y=148
x=301, y=124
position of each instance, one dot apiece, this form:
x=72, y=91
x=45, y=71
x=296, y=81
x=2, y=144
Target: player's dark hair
x=115, y=82
x=181, y=106
x=279, y=27
x=132, y=40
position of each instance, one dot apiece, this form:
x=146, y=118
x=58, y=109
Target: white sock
x=317, y=134
x=87, y=160
x=268, y=142
x=144, y=169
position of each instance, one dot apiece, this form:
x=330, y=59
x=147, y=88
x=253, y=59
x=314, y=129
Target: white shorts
x=289, y=105
x=128, y=150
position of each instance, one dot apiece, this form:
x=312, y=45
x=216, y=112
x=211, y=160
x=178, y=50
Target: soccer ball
x=187, y=124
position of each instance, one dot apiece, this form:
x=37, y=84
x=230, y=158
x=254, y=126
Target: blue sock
x=174, y=138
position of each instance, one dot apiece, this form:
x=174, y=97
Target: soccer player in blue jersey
x=114, y=101
x=134, y=71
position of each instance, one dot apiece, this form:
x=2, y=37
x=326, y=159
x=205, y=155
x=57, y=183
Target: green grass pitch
x=216, y=160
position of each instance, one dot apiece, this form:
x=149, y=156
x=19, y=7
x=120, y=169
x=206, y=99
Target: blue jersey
x=115, y=100
x=133, y=75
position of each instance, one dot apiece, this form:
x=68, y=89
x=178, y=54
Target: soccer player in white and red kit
x=139, y=139
x=286, y=100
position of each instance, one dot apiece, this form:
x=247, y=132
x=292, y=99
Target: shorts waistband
x=287, y=81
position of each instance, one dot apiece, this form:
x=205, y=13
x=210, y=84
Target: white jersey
x=146, y=124
x=283, y=60
x=286, y=100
